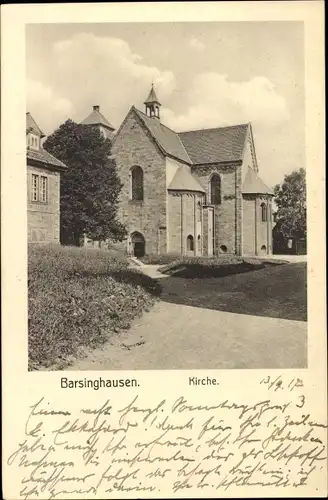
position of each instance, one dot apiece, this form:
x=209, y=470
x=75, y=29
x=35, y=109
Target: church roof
x=152, y=97
x=253, y=184
x=97, y=118
x=215, y=145
x=32, y=126
x=168, y=140
x=185, y=181
x=198, y=147
x=222, y=144
x=42, y=156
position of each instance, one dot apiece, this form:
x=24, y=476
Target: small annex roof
x=215, y=145
x=167, y=139
x=97, y=118
x=253, y=184
x=32, y=126
x=42, y=156
x=185, y=181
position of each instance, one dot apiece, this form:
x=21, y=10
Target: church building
x=190, y=193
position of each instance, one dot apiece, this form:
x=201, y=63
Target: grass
x=78, y=298
x=277, y=291
x=225, y=265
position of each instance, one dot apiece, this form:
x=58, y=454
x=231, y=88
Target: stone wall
x=188, y=221
x=134, y=146
x=184, y=219
x=249, y=159
x=249, y=241
x=239, y=212
x=257, y=234
x=228, y=215
x=264, y=230
x=43, y=218
x=174, y=222
x=207, y=218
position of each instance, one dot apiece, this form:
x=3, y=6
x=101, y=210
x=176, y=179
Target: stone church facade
x=190, y=193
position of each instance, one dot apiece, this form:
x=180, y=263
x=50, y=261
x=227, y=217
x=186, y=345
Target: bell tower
x=152, y=104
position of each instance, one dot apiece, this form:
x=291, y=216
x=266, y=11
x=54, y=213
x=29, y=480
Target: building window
x=215, y=190
x=264, y=210
x=223, y=249
x=34, y=141
x=35, y=187
x=39, y=191
x=137, y=181
x=190, y=243
x=43, y=189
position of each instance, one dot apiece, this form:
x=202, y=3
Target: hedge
x=78, y=298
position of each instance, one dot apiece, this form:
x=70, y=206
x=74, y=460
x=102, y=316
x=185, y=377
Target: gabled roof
x=152, y=97
x=97, y=118
x=215, y=145
x=32, y=126
x=185, y=181
x=197, y=147
x=253, y=184
x=42, y=156
x=167, y=139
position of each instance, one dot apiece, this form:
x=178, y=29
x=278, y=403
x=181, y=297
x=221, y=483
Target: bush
x=253, y=261
x=153, y=258
x=274, y=262
x=200, y=262
x=222, y=265
x=202, y=267
x=77, y=298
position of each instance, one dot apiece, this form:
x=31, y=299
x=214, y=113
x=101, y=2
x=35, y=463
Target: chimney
x=96, y=108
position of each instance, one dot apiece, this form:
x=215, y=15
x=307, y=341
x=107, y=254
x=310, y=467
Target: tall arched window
x=264, y=210
x=190, y=243
x=215, y=190
x=137, y=181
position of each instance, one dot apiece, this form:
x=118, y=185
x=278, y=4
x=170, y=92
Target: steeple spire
x=152, y=104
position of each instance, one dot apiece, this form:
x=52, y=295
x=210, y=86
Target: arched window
x=137, y=190
x=190, y=243
x=215, y=190
x=199, y=243
x=264, y=210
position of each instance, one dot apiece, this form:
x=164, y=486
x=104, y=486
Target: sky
x=205, y=75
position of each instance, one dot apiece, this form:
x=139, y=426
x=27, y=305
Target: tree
x=90, y=187
x=290, y=198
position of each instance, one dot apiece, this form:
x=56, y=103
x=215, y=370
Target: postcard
x=163, y=250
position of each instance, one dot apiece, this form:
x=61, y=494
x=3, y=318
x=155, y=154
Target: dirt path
x=176, y=336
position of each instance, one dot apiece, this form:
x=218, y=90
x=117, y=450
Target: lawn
x=79, y=298
x=272, y=291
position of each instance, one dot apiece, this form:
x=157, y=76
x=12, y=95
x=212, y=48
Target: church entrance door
x=138, y=244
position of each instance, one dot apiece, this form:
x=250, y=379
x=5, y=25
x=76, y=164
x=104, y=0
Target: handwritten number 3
x=301, y=404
